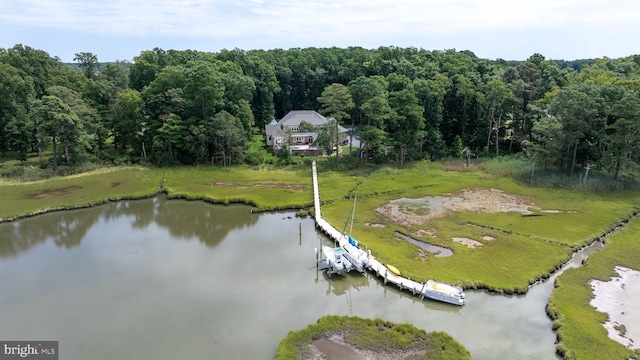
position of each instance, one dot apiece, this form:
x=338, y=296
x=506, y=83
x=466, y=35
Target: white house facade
x=278, y=132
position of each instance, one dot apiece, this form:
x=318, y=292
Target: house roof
x=294, y=118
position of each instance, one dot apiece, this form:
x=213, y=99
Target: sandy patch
x=620, y=299
x=375, y=225
x=488, y=238
x=418, y=211
x=472, y=244
x=426, y=232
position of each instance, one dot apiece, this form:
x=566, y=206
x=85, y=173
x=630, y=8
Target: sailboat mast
x=353, y=213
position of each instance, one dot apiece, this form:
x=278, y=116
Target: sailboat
x=356, y=256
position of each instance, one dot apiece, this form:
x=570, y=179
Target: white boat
x=356, y=256
x=444, y=292
x=336, y=261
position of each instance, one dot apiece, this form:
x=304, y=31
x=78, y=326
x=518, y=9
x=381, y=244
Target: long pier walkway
x=374, y=265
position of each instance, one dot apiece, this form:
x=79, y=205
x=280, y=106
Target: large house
x=287, y=130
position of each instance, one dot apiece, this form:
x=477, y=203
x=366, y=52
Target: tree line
x=189, y=107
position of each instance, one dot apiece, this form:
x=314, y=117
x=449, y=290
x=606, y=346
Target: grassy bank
x=375, y=335
x=265, y=188
x=578, y=325
x=97, y=187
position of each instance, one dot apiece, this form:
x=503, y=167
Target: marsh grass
x=30, y=198
x=375, y=335
x=264, y=189
x=526, y=249
x=579, y=325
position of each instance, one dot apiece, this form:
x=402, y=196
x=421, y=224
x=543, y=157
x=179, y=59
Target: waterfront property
x=299, y=138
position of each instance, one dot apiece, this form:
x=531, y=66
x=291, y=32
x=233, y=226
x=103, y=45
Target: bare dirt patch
x=375, y=225
x=353, y=353
x=470, y=243
x=433, y=233
x=269, y=185
x=52, y=193
x=418, y=211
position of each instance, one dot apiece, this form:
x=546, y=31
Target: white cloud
x=213, y=18
x=253, y=24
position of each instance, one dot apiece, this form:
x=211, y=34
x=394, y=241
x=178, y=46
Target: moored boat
x=444, y=292
x=358, y=257
x=336, y=260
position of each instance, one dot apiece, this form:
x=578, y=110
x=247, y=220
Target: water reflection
x=65, y=229
x=184, y=220
x=340, y=285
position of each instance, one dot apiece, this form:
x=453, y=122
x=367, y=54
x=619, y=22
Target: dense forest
x=171, y=107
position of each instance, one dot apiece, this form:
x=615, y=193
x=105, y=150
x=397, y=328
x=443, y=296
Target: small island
x=358, y=338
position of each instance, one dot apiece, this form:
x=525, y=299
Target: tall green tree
x=20, y=135
x=56, y=120
x=328, y=137
x=228, y=138
x=576, y=109
x=88, y=62
x=406, y=123
x=169, y=140
x=203, y=89
x=431, y=94
x=373, y=143
x=266, y=87
x=337, y=103
x=37, y=64
x=495, y=102
x=238, y=93
x=93, y=130
x=545, y=145
x=145, y=67
x=623, y=141
x=363, y=89
x=16, y=95
x=129, y=121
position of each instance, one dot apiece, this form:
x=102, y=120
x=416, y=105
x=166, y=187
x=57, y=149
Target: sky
x=507, y=29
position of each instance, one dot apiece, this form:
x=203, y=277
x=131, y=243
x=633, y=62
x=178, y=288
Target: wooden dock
x=374, y=265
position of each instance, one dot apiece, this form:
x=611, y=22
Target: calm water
x=158, y=279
